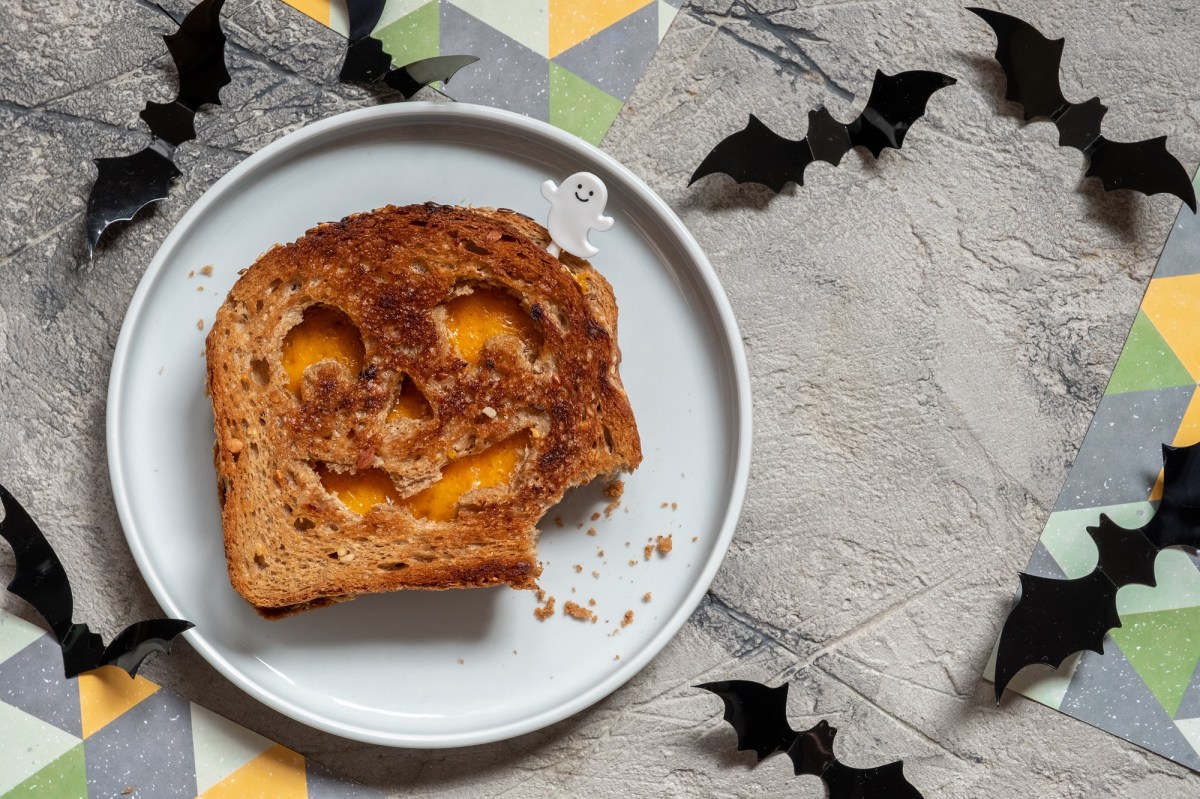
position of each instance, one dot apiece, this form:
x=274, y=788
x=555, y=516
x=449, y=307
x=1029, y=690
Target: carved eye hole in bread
x=358, y=490
x=492, y=467
x=472, y=319
x=410, y=403
x=324, y=334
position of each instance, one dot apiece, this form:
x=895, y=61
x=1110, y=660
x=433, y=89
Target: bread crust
x=290, y=544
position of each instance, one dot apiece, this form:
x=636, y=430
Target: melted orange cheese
x=411, y=404
x=492, y=467
x=359, y=491
x=474, y=318
x=323, y=334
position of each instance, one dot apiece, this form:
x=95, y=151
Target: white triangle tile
x=221, y=747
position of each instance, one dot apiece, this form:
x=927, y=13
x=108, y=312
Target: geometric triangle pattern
x=1146, y=362
x=106, y=735
x=1107, y=686
x=1164, y=649
x=572, y=63
x=1145, y=688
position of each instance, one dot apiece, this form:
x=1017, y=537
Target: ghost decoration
x=576, y=207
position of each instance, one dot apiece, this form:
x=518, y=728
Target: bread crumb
x=616, y=657
x=541, y=595
x=514, y=651
x=695, y=538
x=626, y=543
x=674, y=506
x=633, y=563
x=578, y=568
x=600, y=553
x=191, y=273
x=613, y=491
x=206, y=270
x=546, y=611
x=663, y=504
x=596, y=575
x=646, y=597
x=461, y=661
x=572, y=589
x=199, y=324
x=234, y=445
x=576, y=611
x=665, y=544
x=591, y=530
x=648, y=550
x=199, y=288
x=558, y=522
x=596, y=516
x=592, y=603
x=628, y=618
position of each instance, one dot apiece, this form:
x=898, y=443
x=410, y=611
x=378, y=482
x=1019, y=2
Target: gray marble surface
x=927, y=334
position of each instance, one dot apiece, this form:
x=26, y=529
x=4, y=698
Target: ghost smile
x=581, y=199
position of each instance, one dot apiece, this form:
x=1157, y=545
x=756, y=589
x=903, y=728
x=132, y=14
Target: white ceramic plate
x=433, y=669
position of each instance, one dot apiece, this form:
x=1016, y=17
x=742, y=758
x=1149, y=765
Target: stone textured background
x=927, y=334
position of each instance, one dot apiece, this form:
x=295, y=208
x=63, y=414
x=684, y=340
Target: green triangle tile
x=1146, y=362
x=666, y=15
x=65, y=778
x=1177, y=586
x=28, y=745
x=16, y=634
x=221, y=747
x=414, y=36
x=525, y=21
x=1163, y=648
x=578, y=107
x=395, y=9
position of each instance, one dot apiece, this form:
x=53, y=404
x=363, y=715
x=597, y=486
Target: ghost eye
x=590, y=193
x=580, y=186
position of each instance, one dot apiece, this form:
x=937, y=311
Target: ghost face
x=586, y=188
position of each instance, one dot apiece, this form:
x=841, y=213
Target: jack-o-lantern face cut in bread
x=400, y=396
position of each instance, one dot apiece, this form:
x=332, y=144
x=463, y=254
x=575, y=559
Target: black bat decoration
x=1031, y=64
x=127, y=184
x=758, y=715
x=758, y=154
x=42, y=581
x=367, y=62
x=1054, y=619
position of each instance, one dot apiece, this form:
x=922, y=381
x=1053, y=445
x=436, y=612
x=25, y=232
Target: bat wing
x=1054, y=619
x=409, y=79
x=896, y=102
x=812, y=751
x=124, y=186
x=363, y=16
x=881, y=782
x=138, y=641
x=758, y=715
x=1030, y=62
x=1143, y=166
x=198, y=48
x=42, y=581
x=1177, y=520
x=757, y=154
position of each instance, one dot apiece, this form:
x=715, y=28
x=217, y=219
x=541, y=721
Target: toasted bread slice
x=400, y=396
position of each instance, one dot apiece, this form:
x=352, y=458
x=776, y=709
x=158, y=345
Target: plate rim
x=435, y=113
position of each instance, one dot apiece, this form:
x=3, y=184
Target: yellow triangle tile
x=1187, y=434
x=1173, y=304
x=572, y=21
x=106, y=693
x=317, y=9
x=277, y=773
